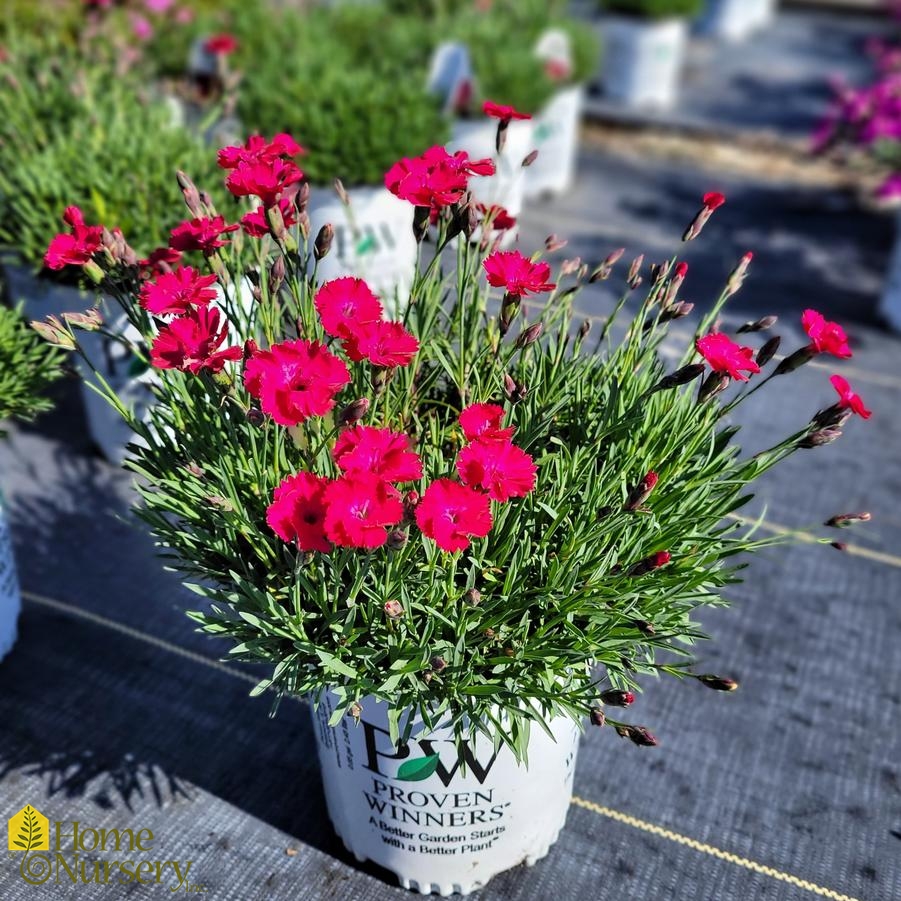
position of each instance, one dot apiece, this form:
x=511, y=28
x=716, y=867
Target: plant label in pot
x=373, y=240
x=451, y=76
x=734, y=20
x=642, y=60
x=443, y=816
x=10, y=597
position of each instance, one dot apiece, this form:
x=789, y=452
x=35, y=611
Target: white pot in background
x=506, y=187
x=890, y=302
x=374, y=241
x=641, y=63
x=556, y=138
x=10, y=597
x=417, y=813
x=734, y=20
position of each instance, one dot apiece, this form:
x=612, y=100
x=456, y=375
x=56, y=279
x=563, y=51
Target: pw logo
x=29, y=830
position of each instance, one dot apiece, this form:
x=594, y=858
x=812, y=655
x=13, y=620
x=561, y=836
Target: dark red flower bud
x=642, y=491
x=737, y=277
x=638, y=735
x=438, y=664
x=529, y=336
x=515, y=391
x=650, y=563
x=712, y=201
x=843, y=520
x=680, y=377
x=394, y=609
x=757, y=325
x=839, y=545
x=529, y=158
x=832, y=417
x=644, y=626
x=255, y=417
x=191, y=195
x=634, y=279
x=596, y=716
x=473, y=597
x=276, y=274
x=820, y=438
x=323, y=243
x=795, y=360
x=553, y=242
x=714, y=384
x=717, y=683
x=768, y=351
x=354, y=411
x=584, y=329
x=676, y=310
x=616, y=698
x=397, y=539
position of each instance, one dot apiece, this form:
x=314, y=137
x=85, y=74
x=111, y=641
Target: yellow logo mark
x=29, y=830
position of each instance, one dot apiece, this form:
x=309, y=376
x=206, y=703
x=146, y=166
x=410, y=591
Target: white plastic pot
x=439, y=827
x=734, y=20
x=506, y=187
x=642, y=60
x=890, y=303
x=374, y=241
x=556, y=138
x=10, y=597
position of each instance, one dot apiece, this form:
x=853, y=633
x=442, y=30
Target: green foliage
x=653, y=9
x=73, y=133
x=347, y=83
x=559, y=590
x=27, y=366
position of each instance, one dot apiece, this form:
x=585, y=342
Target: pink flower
x=891, y=187
x=450, y=514
x=77, y=248
x=345, y=304
x=256, y=224
x=297, y=512
x=848, y=400
x=178, y=292
x=264, y=179
x=501, y=469
x=258, y=150
x=361, y=507
x=191, y=343
x=502, y=112
x=459, y=162
x=221, y=44
x=158, y=6
x=424, y=183
x=160, y=260
x=200, y=234
x=501, y=220
x=482, y=422
x=295, y=380
x=826, y=337
x=557, y=69
x=141, y=28
x=384, y=344
x=517, y=274
x=726, y=356
x=385, y=453
x=713, y=200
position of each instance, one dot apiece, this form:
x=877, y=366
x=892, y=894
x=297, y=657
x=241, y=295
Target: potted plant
x=462, y=532
x=644, y=48
x=735, y=20
x=864, y=125
x=74, y=129
x=352, y=87
x=27, y=366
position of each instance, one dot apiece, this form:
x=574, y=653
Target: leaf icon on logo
x=417, y=770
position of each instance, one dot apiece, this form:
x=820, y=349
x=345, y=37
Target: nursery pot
x=506, y=187
x=556, y=138
x=444, y=817
x=374, y=241
x=890, y=302
x=10, y=598
x=734, y=20
x=642, y=60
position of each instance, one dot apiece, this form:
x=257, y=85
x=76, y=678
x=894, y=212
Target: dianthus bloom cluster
x=436, y=179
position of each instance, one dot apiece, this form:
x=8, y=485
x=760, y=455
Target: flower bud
x=644, y=627
x=191, y=194
x=529, y=158
x=714, y=384
x=529, y=336
x=680, y=377
x=397, y=539
x=737, y=277
x=584, y=329
x=833, y=417
x=421, y=223
x=843, y=520
x=638, y=735
x=255, y=417
x=795, y=360
x=650, y=563
x=553, y=242
x=616, y=698
x=509, y=307
x=570, y=266
x=394, y=609
x=276, y=222
x=500, y=139
x=712, y=201
x=596, y=716
x=634, y=279
x=678, y=310
x=642, y=491
x=757, y=325
x=838, y=545
x=276, y=274
x=89, y=321
x=516, y=392
x=472, y=598
x=341, y=191
x=354, y=411
x=54, y=332
x=323, y=243
x=768, y=351
x=355, y=710
x=438, y=664
x=820, y=437
x=717, y=683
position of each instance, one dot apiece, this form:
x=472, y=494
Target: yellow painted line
x=710, y=850
x=610, y=813
x=855, y=550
